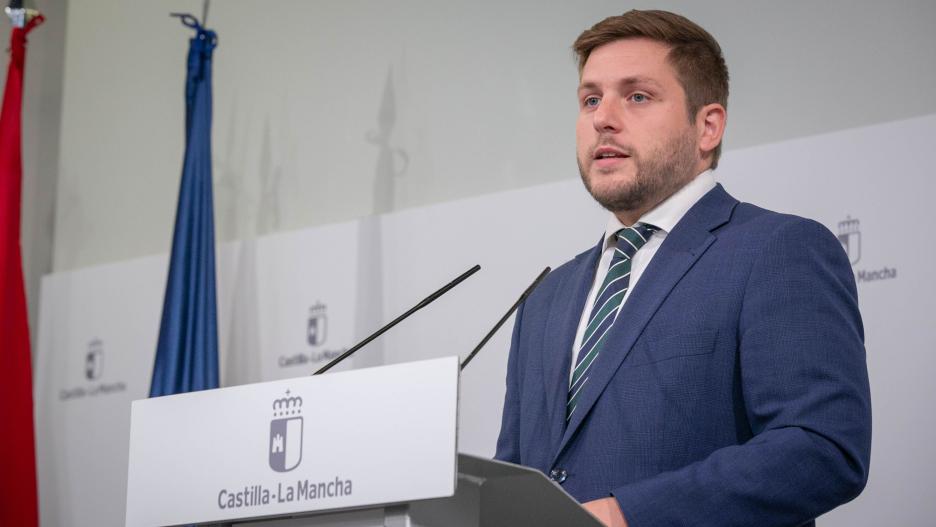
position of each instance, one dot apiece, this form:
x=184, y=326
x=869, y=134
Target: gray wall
x=315, y=100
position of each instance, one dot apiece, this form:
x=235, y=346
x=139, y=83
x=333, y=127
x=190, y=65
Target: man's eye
x=591, y=102
x=639, y=98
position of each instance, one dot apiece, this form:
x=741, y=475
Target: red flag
x=18, y=498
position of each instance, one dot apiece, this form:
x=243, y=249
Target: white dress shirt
x=664, y=216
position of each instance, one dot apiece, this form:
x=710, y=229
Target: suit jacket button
x=558, y=475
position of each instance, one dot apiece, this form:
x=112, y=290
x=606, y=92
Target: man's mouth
x=607, y=156
x=606, y=152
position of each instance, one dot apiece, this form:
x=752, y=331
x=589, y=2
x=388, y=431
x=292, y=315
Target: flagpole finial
x=20, y=16
x=187, y=19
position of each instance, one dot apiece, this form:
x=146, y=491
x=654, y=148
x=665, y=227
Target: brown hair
x=694, y=54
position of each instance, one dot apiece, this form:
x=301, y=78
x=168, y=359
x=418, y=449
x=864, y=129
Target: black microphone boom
x=505, y=317
x=426, y=301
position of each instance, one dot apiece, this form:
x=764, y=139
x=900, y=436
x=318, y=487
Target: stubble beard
x=659, y=174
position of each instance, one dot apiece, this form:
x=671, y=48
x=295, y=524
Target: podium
x=370, y=447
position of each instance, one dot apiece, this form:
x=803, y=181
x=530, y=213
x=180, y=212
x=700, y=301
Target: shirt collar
x=667, y=214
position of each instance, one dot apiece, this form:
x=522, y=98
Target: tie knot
x=631, y=239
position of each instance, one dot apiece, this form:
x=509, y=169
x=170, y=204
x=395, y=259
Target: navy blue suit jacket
x=732, y=390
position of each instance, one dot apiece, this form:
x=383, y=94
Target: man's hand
x=607, y=511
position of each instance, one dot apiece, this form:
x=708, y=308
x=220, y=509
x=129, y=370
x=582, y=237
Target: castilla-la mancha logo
x=317, y=329
x=286, y=433
x=94, y=360
x=849, y=233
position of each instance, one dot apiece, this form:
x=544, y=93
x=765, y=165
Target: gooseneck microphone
x=504, y=318
x=425, y=302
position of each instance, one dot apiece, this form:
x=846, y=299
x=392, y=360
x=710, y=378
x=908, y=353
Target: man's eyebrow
x=587, y=86
x=626, y=81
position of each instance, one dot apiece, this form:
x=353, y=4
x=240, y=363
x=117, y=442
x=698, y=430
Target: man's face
x=635, y=143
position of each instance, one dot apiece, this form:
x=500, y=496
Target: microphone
x=504, y=318
x=425, y=302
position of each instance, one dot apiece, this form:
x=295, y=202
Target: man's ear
x=710, y=126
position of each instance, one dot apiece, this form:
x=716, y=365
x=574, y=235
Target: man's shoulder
x=757, y=225
x=778, y=241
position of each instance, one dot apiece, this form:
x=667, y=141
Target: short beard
x=660, y=174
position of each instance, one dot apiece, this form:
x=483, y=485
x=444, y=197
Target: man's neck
x=630, y=217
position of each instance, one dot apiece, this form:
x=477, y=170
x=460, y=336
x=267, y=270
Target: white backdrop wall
x=99, y=325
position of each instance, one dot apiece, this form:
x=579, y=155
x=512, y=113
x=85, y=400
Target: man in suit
x=704, y=363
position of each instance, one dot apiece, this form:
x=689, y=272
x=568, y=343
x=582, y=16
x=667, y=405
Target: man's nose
x=607, y=117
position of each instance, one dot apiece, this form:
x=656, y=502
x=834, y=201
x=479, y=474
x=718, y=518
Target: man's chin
x=611, y=180
x=617, y=199
x=621, y=169
x=611, y=186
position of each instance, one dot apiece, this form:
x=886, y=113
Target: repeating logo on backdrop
x=317, y=328
x=89, y=360
x=316, y=334
x=849, y=233
x=94, y=360
x=286, y=433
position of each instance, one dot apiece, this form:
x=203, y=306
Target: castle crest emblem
x=317, y=327
x=94, y=360
x=849, y=234
x=286, y=433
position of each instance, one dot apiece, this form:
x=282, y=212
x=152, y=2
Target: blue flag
x=187, y=352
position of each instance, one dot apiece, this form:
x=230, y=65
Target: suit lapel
x=564, y=315
x=682, y=247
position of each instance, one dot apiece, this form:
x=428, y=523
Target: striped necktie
x=607, y=306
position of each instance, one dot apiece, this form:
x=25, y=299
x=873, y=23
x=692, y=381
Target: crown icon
x=95, y=344
x=848, y=226
x=289, y=405
x=318, y=309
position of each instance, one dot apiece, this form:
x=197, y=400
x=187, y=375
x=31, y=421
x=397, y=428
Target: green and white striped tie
x=607, y=306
